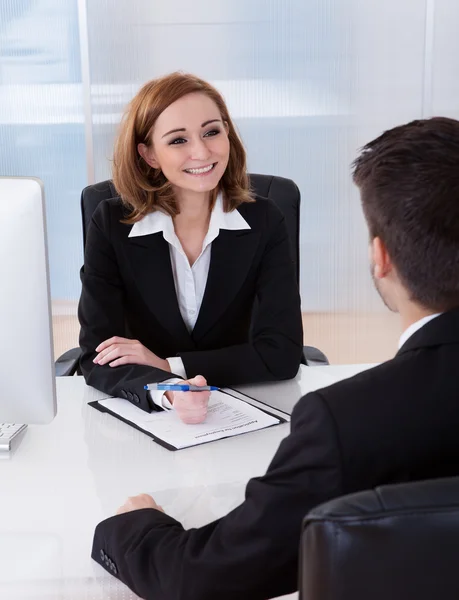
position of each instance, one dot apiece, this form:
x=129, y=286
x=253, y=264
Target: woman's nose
x=199, y=150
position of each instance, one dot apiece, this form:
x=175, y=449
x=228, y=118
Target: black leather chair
x=284, y=192
x=397, y=542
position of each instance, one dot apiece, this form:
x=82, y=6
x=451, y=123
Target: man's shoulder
x=413, y=387
x=384, y=374
x=366, y=389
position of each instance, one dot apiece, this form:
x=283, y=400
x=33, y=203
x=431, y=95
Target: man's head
x=409, y=186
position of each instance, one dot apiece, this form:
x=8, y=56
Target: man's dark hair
x=409, y=185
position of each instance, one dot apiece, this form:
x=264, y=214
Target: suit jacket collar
x=444, y=329
x=157, y=221
x=411, y=330
x=150, y=261
x=232, y=256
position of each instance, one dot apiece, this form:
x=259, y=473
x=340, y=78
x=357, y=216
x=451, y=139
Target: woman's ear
x=148, y=156
x=226, y=126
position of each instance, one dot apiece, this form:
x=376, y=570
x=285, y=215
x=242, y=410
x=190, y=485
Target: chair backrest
x=284, y=192
x=396, y=542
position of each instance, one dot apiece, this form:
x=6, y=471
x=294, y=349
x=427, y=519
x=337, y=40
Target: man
x=396, y=422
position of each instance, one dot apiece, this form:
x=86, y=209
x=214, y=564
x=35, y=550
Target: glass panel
x=445, y=60
x=308, y=82
x=42, y=132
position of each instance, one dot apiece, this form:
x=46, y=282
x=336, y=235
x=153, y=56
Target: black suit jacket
x=249, y=326
x=397, y=422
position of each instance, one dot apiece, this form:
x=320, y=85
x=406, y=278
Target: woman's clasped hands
x=191, y=407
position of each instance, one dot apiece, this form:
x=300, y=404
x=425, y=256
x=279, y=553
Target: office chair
x=283, y=192
x=397, y=542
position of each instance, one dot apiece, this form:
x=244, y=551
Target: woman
x=186, y=272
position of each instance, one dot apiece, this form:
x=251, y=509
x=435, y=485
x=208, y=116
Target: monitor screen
x=27, y=389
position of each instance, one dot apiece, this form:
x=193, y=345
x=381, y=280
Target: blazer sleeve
x=102, y=315
x=275, y=347
x=250, y=553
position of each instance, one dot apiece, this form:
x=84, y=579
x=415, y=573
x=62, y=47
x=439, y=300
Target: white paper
x=227, y=416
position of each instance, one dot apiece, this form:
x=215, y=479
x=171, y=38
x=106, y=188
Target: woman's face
x=189, y=144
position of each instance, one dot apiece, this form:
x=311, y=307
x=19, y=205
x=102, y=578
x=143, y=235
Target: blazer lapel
x=151, y=264
x=232, y=255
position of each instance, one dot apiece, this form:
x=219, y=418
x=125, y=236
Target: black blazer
x=397, y=422
x=248, y=329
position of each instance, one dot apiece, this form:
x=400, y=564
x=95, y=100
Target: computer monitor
x=27, y=381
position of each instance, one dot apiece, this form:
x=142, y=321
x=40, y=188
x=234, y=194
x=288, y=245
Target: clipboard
x=169, y=418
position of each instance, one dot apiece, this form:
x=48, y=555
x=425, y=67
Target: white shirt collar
x=158, y=221
x=415, y=327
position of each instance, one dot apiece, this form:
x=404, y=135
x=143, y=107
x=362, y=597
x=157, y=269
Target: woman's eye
x=212, y=132
x=177, y=141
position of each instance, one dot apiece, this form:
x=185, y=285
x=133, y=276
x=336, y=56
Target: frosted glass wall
x=42, y=123
x=445, y=59
x=307, y=81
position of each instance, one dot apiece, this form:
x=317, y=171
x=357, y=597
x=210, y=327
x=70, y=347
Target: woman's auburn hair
x=144, y=189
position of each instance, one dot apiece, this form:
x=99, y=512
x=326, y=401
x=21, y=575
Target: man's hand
x=121, y=351
x=191, y=407
x=137, y=503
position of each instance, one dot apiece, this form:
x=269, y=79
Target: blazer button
x=136, y=399
x=123, y=394
x=130, y=397
x=115, y=570
x=107, y=562
x=102, y=555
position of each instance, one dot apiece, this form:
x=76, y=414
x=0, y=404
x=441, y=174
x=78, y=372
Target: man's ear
x=148, y=155
x=380, y=258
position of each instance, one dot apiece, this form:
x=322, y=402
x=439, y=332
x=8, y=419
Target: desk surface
x=67, y=476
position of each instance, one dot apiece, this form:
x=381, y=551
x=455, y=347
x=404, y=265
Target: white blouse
x=190, y=280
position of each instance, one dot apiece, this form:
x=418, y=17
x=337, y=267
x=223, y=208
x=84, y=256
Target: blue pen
x=178, y=387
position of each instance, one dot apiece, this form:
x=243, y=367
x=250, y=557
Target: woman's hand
x=118, y=351
x=191, y=407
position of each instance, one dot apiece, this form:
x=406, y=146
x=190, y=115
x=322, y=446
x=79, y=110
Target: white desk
x=66, y=477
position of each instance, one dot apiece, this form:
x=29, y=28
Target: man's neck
x=412, y=313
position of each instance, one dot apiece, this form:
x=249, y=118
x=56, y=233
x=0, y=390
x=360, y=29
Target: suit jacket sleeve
x=250, y=553
x=275, y=348
x=101, y=314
